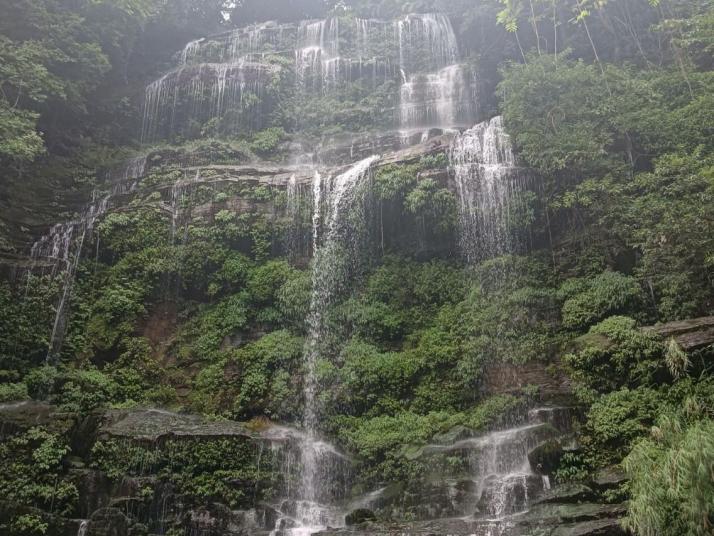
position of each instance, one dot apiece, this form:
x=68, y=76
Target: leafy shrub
x=256, y=380
x=370, y=375
x=201, y=469
x=266, y=142
x=41, y=382
x=384, y=441
x=672, y=490
x=11, y=392
x=28, y=525
x=31, y=471
x=84, y=390
x=589, y=301
x=613, y=354
x=294, y=299
x=618, y=419
x=257, y=366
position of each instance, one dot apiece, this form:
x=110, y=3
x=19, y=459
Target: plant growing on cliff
x=31, y=471
x=671, y=486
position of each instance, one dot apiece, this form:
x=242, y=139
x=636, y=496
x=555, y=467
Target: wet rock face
x=111, y=522
x=545, y=458
x=135, y=483
x=690, y=334
x=17, y=416
x=587, y=519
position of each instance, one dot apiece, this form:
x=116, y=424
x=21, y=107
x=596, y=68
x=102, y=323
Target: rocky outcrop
x=145, y=471
x=586, y=519
x=552, y=382
x=691, y=334
x=155, y=424
x=545, y=458
x=18, y=416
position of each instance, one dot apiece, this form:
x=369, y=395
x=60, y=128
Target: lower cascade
x=482, y=485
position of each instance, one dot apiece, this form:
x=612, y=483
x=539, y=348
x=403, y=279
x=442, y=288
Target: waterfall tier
x=232, y=82
x=490, y=186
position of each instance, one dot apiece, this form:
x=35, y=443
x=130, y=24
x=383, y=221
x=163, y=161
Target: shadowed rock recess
x=412, y=268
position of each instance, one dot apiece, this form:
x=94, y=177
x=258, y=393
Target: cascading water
x=62, y=247
x=435, y=92
x=218, y=75
x=231, y=74
x=489, y=184
x=426, y=42
x=335, y=246
x=486, y=481
x=441, y=100
x=83, y=526
x=202, y=92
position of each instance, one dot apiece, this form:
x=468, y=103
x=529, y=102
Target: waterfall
x=426, y=42
x=435, y=91
x=190, y=51
x=201, y=92
x=441, y=99
x=232, y=73
x=62, y=247
x=298, y=244
x=488, y=184
x=317, y=57
x=335, y=241
x=83, y=526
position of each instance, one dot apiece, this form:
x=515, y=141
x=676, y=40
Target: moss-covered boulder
x=359, y=516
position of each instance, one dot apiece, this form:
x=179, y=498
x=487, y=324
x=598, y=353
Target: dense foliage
x=194, y=295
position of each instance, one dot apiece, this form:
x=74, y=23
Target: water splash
x=489, y=183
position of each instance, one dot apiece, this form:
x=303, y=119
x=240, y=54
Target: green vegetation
x=200, y=469
x=32, y=472
x=194, y=290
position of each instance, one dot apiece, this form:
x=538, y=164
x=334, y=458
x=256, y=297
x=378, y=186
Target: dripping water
x=216, y=75
x=62, y=247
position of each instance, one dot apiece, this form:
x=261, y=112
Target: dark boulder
x=545, y=458
x=359, y=516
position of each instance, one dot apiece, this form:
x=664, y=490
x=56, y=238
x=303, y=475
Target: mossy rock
x=457, y=433
x=610, y=477
x=359, y=516
x=569, y=493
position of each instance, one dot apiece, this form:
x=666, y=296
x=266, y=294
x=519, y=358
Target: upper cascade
x=232, y=82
